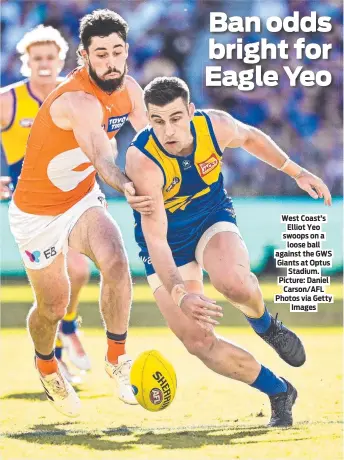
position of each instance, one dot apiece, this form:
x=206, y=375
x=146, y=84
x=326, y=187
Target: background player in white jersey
x=177, y=161
x=42, y=52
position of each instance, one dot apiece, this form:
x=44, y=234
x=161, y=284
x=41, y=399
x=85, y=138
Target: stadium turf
x=210, y=418
x=17, y=300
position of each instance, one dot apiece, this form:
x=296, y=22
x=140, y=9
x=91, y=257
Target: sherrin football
x=153, y=380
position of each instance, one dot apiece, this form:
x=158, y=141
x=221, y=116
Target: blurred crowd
x=170, y=37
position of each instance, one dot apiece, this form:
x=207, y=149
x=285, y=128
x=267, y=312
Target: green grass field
x=210, y=418
x=142, y=293
x=17, y=300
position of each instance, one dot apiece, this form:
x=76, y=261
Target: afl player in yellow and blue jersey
x=43, y=51
x=177, y=161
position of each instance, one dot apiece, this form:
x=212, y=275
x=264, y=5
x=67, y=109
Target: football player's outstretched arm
x=148, y=180
x=232, y=133
x=82, y=113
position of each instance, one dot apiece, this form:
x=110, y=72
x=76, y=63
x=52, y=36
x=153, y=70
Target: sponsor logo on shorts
x=156, y=396
x=33, y=256
x=116, y=123
x=146, y=260
x=208, y=165
x=50, y=252
x=103, y=201
x=26, y=122
x=174, y=182
x=231, y=211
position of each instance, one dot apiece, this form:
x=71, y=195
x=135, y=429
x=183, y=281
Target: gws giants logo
x=208, y=165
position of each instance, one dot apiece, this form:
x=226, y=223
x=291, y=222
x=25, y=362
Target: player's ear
x=84, y=55
x=192, y=109
x=127, y=48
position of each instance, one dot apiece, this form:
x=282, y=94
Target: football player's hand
x=5, y=192
x=142, y=204
x=314, y=186
x=201, y=308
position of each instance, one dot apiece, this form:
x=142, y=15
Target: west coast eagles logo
x=26, y=122
x=208, y=165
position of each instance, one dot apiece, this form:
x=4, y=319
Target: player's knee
x=237, y=287
x=53, y=304
x=79, y=275
x=200, y=346
x=54, y=311
x=116, y=267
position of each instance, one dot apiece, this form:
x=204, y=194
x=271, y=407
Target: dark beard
x=111, y=85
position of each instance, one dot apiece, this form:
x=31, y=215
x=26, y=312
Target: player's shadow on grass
x=186, y=439
x=40, y=395
x=33, y=396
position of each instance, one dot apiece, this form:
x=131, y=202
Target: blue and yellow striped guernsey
x=15, y=135
x=193, y=186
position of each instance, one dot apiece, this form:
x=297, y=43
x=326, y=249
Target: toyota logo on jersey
x=116, y=123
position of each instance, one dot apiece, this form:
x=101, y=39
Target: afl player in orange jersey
x=57, y=203
x=43, y=51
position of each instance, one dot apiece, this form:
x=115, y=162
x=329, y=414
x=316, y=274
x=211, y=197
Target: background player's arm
x=5, y=192
x=6, y=109
x=138, y=116
x=232, y=133
x=148, y=180
x=6, y=115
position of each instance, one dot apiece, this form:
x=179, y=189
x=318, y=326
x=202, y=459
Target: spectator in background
x=171, y=38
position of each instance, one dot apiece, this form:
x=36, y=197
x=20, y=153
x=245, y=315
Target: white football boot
x=61, y=394
x=120, y=374
x=76, y=353
x=71, y=378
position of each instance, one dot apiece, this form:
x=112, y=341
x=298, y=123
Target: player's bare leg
x=226, y=358
x=68, y=336
x=97, y=235
x=227, y=262
x=200, y=340
x=51, y=291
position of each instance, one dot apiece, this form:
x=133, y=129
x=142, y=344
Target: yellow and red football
x=153, y=380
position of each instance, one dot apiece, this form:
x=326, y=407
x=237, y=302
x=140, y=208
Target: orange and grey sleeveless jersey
x=56, y=173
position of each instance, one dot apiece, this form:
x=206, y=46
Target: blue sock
x=262, y=324
x=269, y=383
x=69, y=327
x=58, y=352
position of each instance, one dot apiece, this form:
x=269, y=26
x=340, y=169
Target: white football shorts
x=41, y=238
